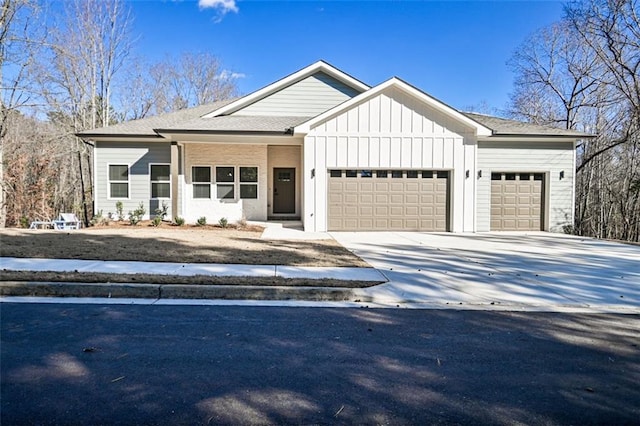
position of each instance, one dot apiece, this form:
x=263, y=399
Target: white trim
x=232, y=183
x=109, y=197
x=480, y=130
x=151, y=182
x=319, y=66
x=256, y=183
x=201, y=183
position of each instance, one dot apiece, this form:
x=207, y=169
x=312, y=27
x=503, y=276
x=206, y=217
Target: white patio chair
x=67, y=221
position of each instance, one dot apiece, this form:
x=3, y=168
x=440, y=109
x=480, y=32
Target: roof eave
x=94, y=136
x=286, y=132
x=498, y=137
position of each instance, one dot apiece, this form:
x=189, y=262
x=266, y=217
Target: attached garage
x=517, y=201
x=388, y=200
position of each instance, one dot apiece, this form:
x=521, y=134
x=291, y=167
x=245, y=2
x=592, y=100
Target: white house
x=322, y=146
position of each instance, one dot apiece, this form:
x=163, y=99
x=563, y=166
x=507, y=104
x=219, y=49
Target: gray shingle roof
x=145, y=126
x=190, y=120
x=505, y=127
x=239, y=123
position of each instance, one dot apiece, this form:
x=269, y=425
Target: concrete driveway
x=507, y=269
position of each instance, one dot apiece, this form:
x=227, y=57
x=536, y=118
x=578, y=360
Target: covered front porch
x=255, y=180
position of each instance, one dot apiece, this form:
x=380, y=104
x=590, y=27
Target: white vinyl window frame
x=254, y=184
x=118, y=181
x=221, y=184
x=195, y=184
x=159, y=182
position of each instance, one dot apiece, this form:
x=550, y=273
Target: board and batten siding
x=550, y=158
x=307, y=98
x=390, y=131
x=138, y=156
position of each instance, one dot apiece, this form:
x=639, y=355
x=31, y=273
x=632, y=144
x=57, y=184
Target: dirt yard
x=173, y=244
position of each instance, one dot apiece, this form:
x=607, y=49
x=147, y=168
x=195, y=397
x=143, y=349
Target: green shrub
x=162, y=211
x=202, y=221
x=178, y=220
x=156, y=221
x=99, y=219
x=120, y=210
x=136, y=216
x=223, y=222
x=24, y=222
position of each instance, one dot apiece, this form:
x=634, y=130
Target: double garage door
x=388, y=200
x=517, y=201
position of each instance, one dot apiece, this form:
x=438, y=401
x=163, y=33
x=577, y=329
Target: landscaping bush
x=202, y=221
x=223, y=222
x=136, y=216
x=178, y=220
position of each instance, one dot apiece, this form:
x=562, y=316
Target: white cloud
x=226, y=74
x=222, y=6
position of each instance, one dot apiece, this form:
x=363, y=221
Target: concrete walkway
x=190, y=269
x=505, y=271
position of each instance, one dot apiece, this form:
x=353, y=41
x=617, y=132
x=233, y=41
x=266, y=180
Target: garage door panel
x=516, y=204
x=386, y=203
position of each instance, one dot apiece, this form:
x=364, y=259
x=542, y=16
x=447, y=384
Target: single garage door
x=517, y=201
x=381, y=200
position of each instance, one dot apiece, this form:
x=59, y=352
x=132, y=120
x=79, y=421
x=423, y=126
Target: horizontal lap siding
x=391, y=130
x=137, y=156
x=546, y=157
x=307, y=98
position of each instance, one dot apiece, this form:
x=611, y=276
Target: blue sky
x=453, y=50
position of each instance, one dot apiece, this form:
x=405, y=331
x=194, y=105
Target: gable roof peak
x=318, y=66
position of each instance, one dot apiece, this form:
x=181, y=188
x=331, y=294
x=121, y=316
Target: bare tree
x=86, y=51
x=20, y=40
x=584, y=73
x=190, y=80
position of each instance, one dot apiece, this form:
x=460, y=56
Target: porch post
x=174, y=179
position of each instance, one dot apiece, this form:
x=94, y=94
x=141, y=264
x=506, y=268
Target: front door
x=284, y=191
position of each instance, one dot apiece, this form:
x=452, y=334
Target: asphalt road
x=115, y=364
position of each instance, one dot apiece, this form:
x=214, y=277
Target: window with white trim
x=118, y=181
x=160, y=175
x=248, y=182
x=225, y=182
x=201, y=181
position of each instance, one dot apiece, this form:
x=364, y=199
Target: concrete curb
x=177, y=291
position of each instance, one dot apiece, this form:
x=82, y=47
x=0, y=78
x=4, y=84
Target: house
x=327, y=149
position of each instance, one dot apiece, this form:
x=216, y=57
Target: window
x=336, y=173
x=412, y=174
x=118, y=181
x=442, y=175
x=248, y=190
x=396, y=174
x=525, y=176
x=160, y=181
x=381, y=173
x=366, y=173
x=201, y=179
x=225, y=178
x=496, y=176
x=427, y=174
x=352, y=173
x=510, y=176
